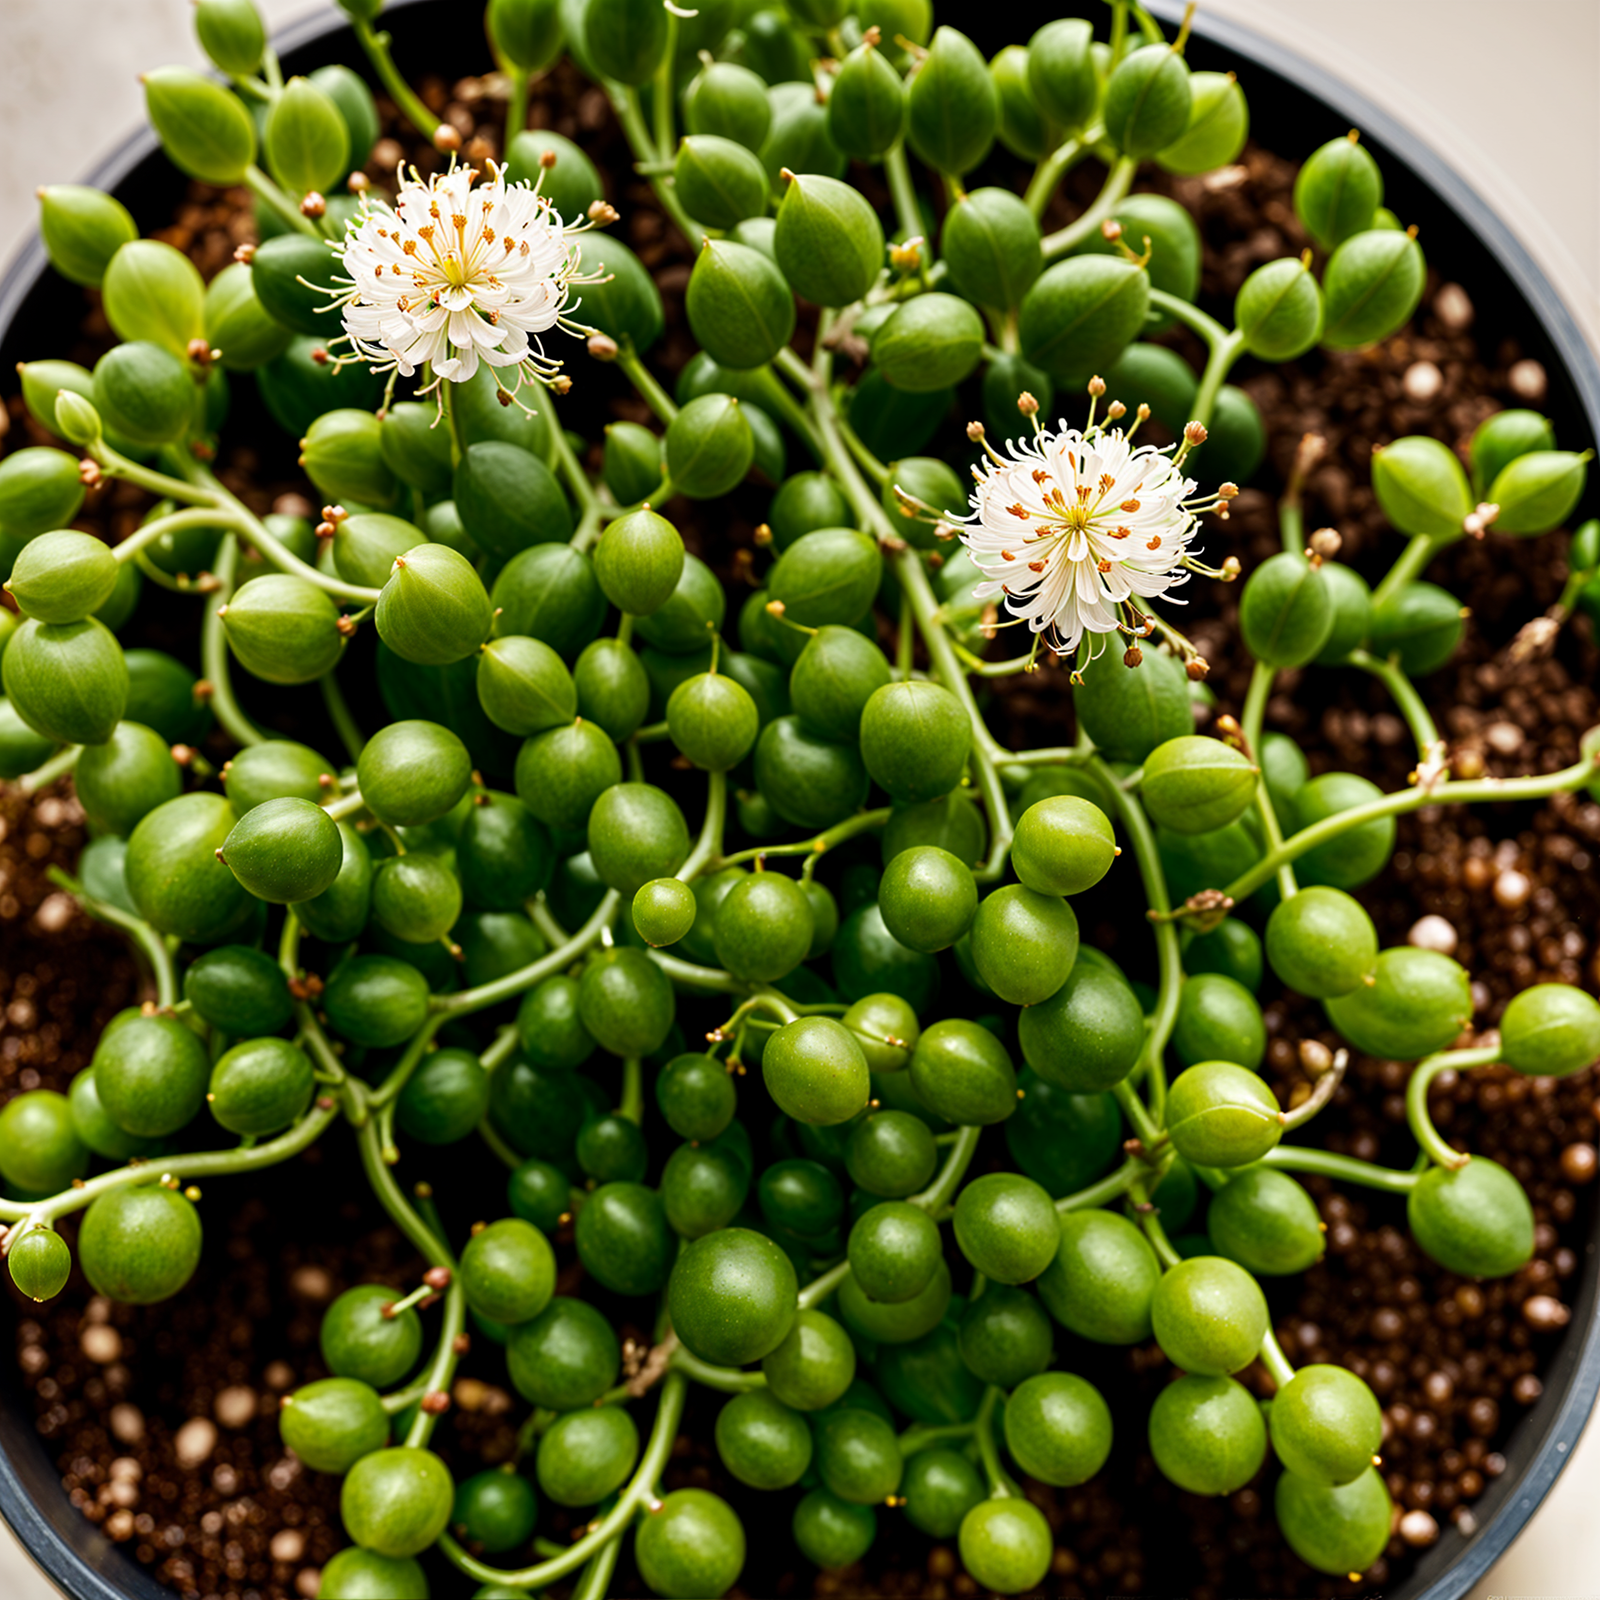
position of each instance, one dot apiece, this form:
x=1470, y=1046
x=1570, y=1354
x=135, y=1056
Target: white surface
x=1508, y=89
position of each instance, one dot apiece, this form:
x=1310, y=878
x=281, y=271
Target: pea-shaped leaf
x=154, y=292
x=627, y=305
x=1022, y=128
x=1061, y=72
x=828, y=241
x=68, y=681
x=991, y=245
x=343, y=456
x=1082, y=313
x=307, y=145
x=798, y=135
x=238, y=325
x=1372, y=285
x=729, y=100
x=284, y=851
x=82, y=229
x=1193, y=784
x=709, y=446
x=827, y=576
x=952, y=109
x=1219, y=121
x=1220, y=1114
x=1147, y=101
x=205, y=131
x=527, y=33
x=1537, y=491
x=638, y=562
x=525, y=686
x=434, y=609
x=63, y=576
x=740, y=308
x=39, y=489
x=1338, y=191
x=867, y=104
x=720, y=182
x=1421, y=487
x=626, y=39
x=283, y=629
x=1279, y=310
x=1285, y=615
x=929, y=343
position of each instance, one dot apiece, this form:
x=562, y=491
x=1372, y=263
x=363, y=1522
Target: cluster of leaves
x=484, y=911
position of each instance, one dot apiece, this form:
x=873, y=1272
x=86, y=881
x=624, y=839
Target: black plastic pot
x=1296, y=106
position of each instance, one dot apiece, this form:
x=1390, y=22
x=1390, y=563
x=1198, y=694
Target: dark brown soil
x=162, y=1419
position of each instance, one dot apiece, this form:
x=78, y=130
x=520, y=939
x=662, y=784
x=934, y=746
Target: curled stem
x=1279, y=1368
x=1423, y=1131
x=1329, y=1164
x=1115, y=1183
x=214, y=652
x=938, y=1194
x=467, y=1001
x=1115, y=187
x=376, y=45
x=58, y=766
x=150, y=943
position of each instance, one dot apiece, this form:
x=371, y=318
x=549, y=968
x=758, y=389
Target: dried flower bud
x=1027, y=404
x=562, y=385
x=1326, y=543
x=1097, y=386
x=547, y=159
x=358, y=183
x=763, y=534
x=602, y=347
x=602, y=212
x=1111, y=230
x=1132, y=656
x=1194, y=433
x=1116, y=410
x=975, y=432
x=245, y=254
x=1197, y=668
x=907, y=257
x=1231, y=569
x=1143, y=413
x=313, y=205
x=446, y=139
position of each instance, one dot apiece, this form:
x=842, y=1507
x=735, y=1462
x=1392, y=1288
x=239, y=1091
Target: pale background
x=1509, y=90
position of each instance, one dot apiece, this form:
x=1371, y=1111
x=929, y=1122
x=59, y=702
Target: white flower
x=1074, y=527
x=456, y=273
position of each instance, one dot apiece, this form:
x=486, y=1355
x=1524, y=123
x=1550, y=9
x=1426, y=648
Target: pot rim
x=78, y=1558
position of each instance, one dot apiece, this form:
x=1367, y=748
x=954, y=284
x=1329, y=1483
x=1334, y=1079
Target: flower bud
x=144, y=393
x=1420, y=623
x=154, y=292
x=434, y=609
x=730, y=101
x=638, y=562
x=1278, y=310
x=232, y=33
x=928, y=343
x=205, y=131
x=1153, y=375
x=1061, y=73
x=1219, y=121
x=990, y=243
x=1022, y=126
x=867, y=105
x=709, y=447
x=952, y=109
x=63, y=576
x=1148, y=101
x=632, y=464
x=68, y=681
x=82, y=229
x=508, y=498
x=1285, y=614
x=628, y=304
x=1014, y=388
x=526, y=34
x=237, y=323
x=1193, y=784
x=1371, y=287
x=283, y=629
x=1499, y=439
x=828, y=241
x=1421, y=487
x=307, y=145
x=565, y=175
x=343, y=456
x=1081, y=314
x=76, y=419
x=626, y=39
x=719, y=182
x=740, y=309
x=1537, y=491
x=1338, y=191
x=292, y=277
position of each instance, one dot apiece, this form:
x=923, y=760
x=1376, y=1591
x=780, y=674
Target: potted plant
x=497, y=922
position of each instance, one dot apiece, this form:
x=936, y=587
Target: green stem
x=818, y=844
x=1145, y=1128
x=1000, y=1485
x=1000, y=826
x=415, y=1049
x=173, y=522
x=442, y=1368
x=663, y=132
x=571, y=469
x=640, y=376
x=1169, y=948
x=903, y=192
x=1422, y=1075
x=939, y=1193
x=1278, y=1365
x=631, y=1105
x=1255, y=710
x=1150, y=1220
x=1108, y=1188
x=1410, y=564
x=1499, y=790
x=276, y=200
x=214, y=651
x=58, y=766
x=924, y=606
x=730, y=1380
x=178, y=1169
x=1403, y=692
x=630, y=113
x=1328, y=1164
x=404, y=1398
x=709, y=845
x=594, y=1583
x=466, y=1001
x=823, y=1285
x=516, y=105
x=148, y=940
x=1054, y=167
x=404, y=96
x=786, y=408
x=640, y=1489
x=709, y=980
x=1080, y=228
x=1191, y=316
x=344, y=724
x=1218, y=364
